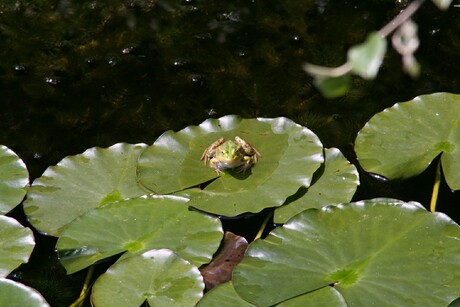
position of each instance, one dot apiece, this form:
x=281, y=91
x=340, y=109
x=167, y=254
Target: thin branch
x=318, y=70
x=401, y=18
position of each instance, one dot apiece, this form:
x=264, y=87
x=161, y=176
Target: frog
x=235, y=154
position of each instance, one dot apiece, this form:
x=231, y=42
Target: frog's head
x=229, y=151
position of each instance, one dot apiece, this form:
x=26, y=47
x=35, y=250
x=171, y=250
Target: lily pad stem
x=400, y=18
x=437, y=182
x=264, y=225
x=84, y=291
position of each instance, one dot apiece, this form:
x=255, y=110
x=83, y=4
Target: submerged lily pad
x=80, y=183
x=379, y=252
x=16, y=294
x=290, y=155
x=403, y=140
x=14, y=179
x=138, y=225
x=158, y=277
x=16, y=245
x=336, y=183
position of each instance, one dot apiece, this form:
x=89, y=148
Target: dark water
x=78, y=74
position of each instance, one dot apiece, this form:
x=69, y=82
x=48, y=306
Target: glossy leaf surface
x=225, y=296
x=290, y=155
x=14, y=179
x=379, y=252
x=327, y=296
x=403, y=140
x=138, y=225
x=157, y=276
x=82, y=182
x=16, y=294
x=16, y=245
x=336, y=183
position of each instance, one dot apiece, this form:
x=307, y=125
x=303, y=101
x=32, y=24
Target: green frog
x=237, y=154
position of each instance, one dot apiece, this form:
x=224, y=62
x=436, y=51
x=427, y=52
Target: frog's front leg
x=215, y=164
x=210, y=152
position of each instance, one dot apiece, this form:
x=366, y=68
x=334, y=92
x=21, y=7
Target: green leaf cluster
x=140, y=202
x=16, y=241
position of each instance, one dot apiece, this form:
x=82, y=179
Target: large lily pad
x=16, y=294
x=290, y=155
x=335, y=183
x=138, y=225
x=327, y=296
x=223, y=295
x=159, y=277
x=82, y=182
x=380, y=252
x=401, y=141
x=14, y=179
x=16, y=245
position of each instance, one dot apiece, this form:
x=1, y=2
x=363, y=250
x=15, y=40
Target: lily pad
x=401, y=141
x=223, y=295
x=16, y=245
x=378, y=252
x=14, y=179
x=16, y=294
x=290, y=155
x=327, y=296
x=159, y=277
x=82, y=182
x=138, y=225
x=336, y=183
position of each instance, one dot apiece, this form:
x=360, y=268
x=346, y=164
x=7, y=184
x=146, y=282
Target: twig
x=400, y=18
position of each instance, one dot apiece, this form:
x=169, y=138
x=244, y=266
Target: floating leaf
x=14, y=179
x=365, y=59
x=230, y=253
x=333, y=87
x=157, y=276
x=379, y=252
x=401, y=141
x=16, y=245
x=336, y=183
x=290, y=155
x=138, y=225
x=223, y=295
x=327, y=296
x=16, y=294
x=83, y=182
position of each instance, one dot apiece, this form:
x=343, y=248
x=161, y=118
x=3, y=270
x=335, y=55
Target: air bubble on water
x=20, y=68
x=198, y=81
x=112, y=61
x=179, y=63
x=52, y=80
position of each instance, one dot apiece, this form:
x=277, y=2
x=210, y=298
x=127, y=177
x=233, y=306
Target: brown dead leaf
x=230, y=253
